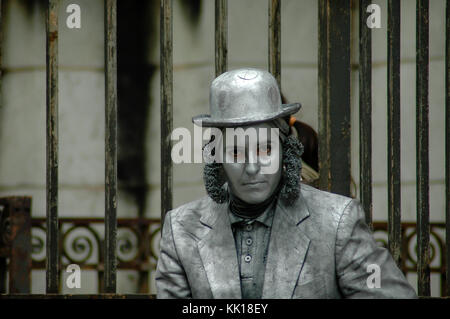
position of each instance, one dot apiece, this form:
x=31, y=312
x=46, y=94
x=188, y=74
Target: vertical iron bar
x=447, y=145
x=110, y=144
x=1, y=53
x=365, y=111
x=221, y=36
x=393, y=118
x=334, y=96
x=4, y=214
x=166, y=106
x=52, y=260
x=275, y=39
x=324, y=101
x=3, y=265
x=422, y=105
x=3, y=274
x=20, y=257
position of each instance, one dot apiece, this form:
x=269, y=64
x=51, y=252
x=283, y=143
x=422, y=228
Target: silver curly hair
x=215, y=179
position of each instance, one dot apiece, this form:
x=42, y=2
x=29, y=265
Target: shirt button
x=249, y=241
x=249, y=227
x=247, y=258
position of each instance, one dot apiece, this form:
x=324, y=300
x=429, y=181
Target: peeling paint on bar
x=15, y=243
x=275, y=39
x=166, y=60
x=1, y=53
x=422, y=149
x=393, y=112
x=447, y=144
x=52, y=274
x=110, y=281
x=221, y=36
x=365, y=111
x=334, y=96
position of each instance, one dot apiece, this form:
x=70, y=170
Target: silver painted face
x=245, y=177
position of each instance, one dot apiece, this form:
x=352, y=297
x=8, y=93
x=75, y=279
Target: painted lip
x=253, y=183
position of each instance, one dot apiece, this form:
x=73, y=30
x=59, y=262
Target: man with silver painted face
x=260, y=232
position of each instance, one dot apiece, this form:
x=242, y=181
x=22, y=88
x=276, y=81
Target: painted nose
x=252, y=168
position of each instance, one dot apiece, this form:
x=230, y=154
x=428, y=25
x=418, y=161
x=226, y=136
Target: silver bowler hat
x=242, y=97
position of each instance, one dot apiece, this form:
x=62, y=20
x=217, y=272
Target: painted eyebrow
x=234, y=147
x=265, y=143
x=268, y=142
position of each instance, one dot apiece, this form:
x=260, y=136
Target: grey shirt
x=252, y=237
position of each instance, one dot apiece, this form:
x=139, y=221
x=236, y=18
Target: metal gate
x=334, y=120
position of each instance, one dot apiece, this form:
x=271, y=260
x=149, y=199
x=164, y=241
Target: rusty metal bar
x=15, y=243
x=110, y=145
x=3, y=274
x=447, y=145
x=221, y=36
x=393, y=118
x=334, y=96
x=52, y=275
x=1, y=52
x=19, y=220
x=275, y=39
x=20, y=258
x=166, y=62
x=365, y=112
x=422, y=105
x=3, y=264
x=4, y=249
x=323, y=110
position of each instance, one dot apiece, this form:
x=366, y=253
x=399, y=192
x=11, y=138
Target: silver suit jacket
x=320, y=247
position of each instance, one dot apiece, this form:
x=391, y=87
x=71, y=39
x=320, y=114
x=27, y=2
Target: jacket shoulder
x=325, y=206
x=187, y=216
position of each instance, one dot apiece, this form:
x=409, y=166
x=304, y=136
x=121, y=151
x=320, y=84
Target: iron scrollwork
x=138, y=244
x=81, y=242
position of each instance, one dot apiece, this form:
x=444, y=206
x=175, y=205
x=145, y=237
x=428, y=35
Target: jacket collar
x=296, y=213
x=218, y=253
x=288, y=248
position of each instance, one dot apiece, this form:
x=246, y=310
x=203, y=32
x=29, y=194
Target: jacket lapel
x=288, y=247
x=218, y=253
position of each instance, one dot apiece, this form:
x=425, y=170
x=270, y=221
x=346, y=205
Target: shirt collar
x=265, y=218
